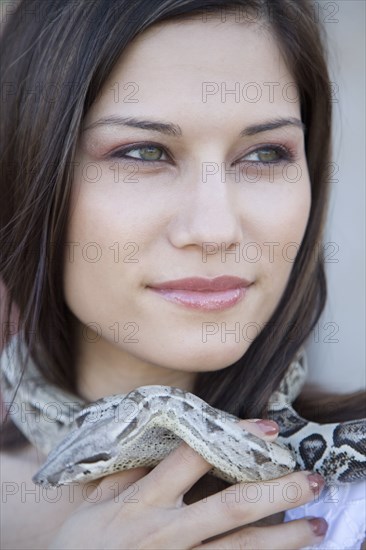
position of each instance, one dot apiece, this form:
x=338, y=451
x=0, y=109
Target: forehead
x=194, y=64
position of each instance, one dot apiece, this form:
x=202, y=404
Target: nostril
x=94, y=458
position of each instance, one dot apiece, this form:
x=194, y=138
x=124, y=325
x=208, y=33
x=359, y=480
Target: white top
x=344, y=509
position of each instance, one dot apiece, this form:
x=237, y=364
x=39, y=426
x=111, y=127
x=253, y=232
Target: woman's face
x=178, y=177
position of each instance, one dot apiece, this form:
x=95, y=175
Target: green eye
x=267, y=155
x=150, y=153
x=147, y=153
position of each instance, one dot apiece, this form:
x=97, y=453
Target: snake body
x=86, y=442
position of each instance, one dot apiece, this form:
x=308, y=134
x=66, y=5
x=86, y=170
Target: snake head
x=90, y=448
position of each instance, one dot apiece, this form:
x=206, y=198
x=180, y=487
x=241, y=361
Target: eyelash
x=287, y=154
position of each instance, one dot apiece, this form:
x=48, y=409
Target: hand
x=145, y=510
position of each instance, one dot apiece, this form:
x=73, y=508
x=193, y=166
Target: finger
x=245, y=503
x=192, y=466
x=263, y=428
x=168, y=482
x=111, y=486
x=295, y=534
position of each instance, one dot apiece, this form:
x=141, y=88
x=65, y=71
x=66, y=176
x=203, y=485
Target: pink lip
x=204, y=294
x=225, y=282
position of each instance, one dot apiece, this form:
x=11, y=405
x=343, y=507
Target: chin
x=210, y=358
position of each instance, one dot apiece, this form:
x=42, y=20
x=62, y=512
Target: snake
x=86, y=441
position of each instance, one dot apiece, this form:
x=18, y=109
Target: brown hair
x=55, y=58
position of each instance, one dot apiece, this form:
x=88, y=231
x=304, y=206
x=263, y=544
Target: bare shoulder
x=18, y=502
x=17, y=468
x=10, y=462
x=30, y=515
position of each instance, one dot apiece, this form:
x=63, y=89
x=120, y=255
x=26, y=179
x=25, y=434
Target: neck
x=104, y=369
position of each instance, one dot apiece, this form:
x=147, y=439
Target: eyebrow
x=175, y=130
x=272, y=125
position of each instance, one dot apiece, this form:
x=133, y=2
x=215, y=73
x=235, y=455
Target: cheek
x=283, y=226
x=89, y=249
x=107, y=238
x=294, y=212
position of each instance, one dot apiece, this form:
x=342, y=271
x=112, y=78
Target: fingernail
x=269, y=427
x=319, y=526
x=316, y=483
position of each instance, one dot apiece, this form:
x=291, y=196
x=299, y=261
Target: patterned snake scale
x=119, y=432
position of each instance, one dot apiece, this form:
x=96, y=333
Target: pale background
x=340, y=366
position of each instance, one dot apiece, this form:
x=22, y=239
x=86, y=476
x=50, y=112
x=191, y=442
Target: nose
x=208, y=212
